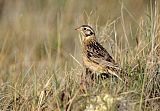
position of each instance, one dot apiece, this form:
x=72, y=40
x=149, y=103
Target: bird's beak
x=77, y=28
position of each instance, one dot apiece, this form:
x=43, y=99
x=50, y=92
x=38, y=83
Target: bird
x=95, y=57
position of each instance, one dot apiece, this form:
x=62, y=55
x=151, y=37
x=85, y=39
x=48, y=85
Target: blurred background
x=40, y=51
x=42, y=31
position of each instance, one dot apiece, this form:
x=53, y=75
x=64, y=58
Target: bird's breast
x=92, y=65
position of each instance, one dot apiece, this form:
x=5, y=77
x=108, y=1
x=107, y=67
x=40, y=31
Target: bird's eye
x=84, y=28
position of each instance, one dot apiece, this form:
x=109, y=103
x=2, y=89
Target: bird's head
x=86, y=31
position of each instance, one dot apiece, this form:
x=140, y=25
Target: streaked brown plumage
x=95, y=57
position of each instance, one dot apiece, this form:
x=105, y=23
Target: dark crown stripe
x=88, y=27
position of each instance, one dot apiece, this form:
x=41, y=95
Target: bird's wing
x=100, y=52
x=107, y=66
x=105, y=63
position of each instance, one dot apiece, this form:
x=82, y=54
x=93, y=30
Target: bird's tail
x=118, y=72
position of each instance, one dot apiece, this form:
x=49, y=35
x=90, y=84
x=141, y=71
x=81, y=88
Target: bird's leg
x=88, y=71
x=86, y=79
x=90, y=74
x=94, y=76
x=104, y=76
x=83, y=83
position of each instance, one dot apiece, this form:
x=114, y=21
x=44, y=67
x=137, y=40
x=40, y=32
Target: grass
x=40, y=56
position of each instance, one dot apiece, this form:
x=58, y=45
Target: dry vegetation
x=40, y=55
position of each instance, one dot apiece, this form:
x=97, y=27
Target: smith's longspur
x=96, y=58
